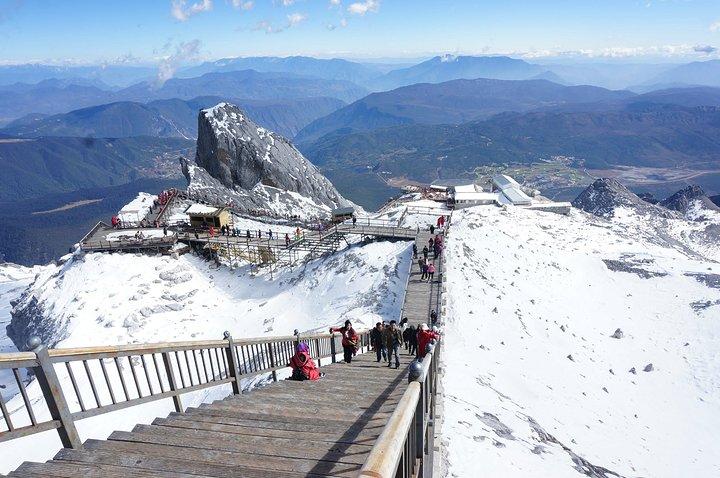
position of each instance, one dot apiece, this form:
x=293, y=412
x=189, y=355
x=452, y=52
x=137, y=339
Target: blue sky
x=146, y=31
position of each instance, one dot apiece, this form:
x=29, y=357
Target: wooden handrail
x=159, y=372
x=386, y=453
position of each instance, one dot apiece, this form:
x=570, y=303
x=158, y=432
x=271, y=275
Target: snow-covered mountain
x=100, y=298
x=581, y=345
x=256, y=169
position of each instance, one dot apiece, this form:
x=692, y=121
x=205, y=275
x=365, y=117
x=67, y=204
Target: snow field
x=535, y=384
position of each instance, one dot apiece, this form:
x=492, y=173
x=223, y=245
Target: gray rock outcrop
x=605, y=195
x=246, y=159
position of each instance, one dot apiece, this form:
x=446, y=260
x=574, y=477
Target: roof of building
x=203, y=210
x=516, y=196
x=475, y=196
x=343, y=211
x=467, y=188
x=447, y=183
x=503, y=181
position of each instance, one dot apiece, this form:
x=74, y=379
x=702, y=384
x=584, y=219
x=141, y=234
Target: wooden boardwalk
x=285, y=429
x=421, y=296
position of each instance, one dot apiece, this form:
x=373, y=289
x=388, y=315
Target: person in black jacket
x=377, y=342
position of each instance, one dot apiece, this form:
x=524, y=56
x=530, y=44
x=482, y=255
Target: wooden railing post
x=231, y=354
x=271, y=353
x=54, y=397
x=169, y=370
x=332, y=346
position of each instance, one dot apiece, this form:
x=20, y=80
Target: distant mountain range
x=643, y=134
x=453, y=102
x=705, y=73
x=50, y=97
x=329, y=69
x=38, y=167
x=168, y=118
x=115, y=75
x=448, y=67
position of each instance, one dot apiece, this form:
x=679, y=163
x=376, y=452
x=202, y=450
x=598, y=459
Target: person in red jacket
x=424, y=337
x=350, y=340
x=303, y=366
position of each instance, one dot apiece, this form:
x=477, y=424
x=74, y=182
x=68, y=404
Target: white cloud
x=361, y=8
x=342, y=24
x=243, y=4
x=287, y=3
x=715, y=27
x=660, y=51
x=335, y=3
x=181, y=11
x=707, y=49
x=296, y=18
x=169, y=64
x=293, y=19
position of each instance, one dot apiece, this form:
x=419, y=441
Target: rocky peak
x=692, y=199
x=242, y=155
x=605, y=195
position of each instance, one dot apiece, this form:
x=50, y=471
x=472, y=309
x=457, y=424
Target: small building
x=203, y=216
x=510, y=191
x=342, y=214
x=473, y=198
x=447, y=184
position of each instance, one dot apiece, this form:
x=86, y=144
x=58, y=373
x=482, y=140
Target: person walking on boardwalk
x=433, y=317
x=247, y=234
x=431, y=271
x=432, y=229
x=414, y=250
x=424, y=337
x=412, y=339
x=393, y=339
x=403, y=328
x=270, y=233
x=287, y=240
x=354, y=220
x=378, y=343
x=350, y=340
x=303, y=366
x=426, y=251
x=424, y=270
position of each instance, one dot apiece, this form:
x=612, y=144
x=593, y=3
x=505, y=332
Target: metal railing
x=405, y=447
x=84, y=382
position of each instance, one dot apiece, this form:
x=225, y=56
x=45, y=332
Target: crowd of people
x=386, y=339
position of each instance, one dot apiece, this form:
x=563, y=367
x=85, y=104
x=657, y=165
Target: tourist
x=164, y=230
x=432, y=229
x=247, y=234
x=433, y=317
x=403, y=328
x=414, y=250
x=303, y=366
x=377, y=342
x=270, y=233
x=431, y=271
x=412, y=339
x=424, y=337
x=393, y=339
x=426, y=251
x=354, y=220
x=287, y=240
x=350, y=340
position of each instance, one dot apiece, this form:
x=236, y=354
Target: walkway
x=286, y=429
x=421, y=297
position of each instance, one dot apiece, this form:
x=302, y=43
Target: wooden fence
x=99, y=380
x=405, y=447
